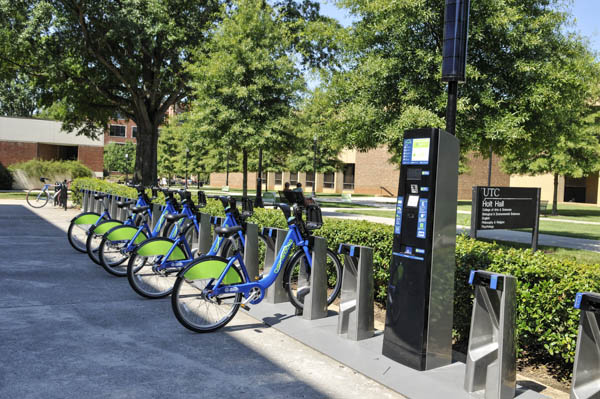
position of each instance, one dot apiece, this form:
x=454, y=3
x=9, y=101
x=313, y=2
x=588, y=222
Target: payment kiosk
x=418, y=326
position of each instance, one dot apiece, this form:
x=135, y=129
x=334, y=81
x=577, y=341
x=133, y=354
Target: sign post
x=495, y=208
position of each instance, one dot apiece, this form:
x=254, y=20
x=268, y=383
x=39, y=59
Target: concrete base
x=366, y=358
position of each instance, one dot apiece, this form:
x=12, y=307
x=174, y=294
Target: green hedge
x=546, y=287
x=36, y=168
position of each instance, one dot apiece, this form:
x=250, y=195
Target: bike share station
x=413, y=355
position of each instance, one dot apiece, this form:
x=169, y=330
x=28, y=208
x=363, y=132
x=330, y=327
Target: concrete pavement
x=70, y=330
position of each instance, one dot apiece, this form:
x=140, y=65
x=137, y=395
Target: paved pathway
x=70, y=330
x=500, y=235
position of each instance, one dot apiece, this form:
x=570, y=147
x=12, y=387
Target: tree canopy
x=392, y=80
x=247, y=84
x=103, y=58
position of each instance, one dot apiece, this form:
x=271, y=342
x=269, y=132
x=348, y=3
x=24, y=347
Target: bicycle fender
x=86, y=218
x=208, y=267
x=160, y=246
x=105, y=226
x=125, y=233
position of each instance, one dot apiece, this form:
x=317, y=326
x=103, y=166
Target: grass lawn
x=13, y=195
x=591, y=232
x=587, y=213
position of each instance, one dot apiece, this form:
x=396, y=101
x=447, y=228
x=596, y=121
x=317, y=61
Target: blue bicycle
x=96, y=232
x=154, y=264
x=79, y=228
x=208, y=293
x=118, y=243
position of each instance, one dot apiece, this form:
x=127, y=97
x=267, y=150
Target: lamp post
x=258, y=202
x=314, y=183
x=126, y=167
x=187, y=155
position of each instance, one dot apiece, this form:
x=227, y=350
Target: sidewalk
x=500, y=235
x=70, y=330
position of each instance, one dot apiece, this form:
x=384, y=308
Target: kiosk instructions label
x=505, y=207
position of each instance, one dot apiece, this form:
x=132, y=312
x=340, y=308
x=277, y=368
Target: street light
x=314, y=183
x=187, y=154
x=126, y=167
x=258, y=202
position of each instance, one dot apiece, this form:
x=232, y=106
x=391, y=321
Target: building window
x=134, y=131
x=293, y=178
x=329, y=180
x=117, y=130
x=310, y=179
x=349, y=176
x=278, y=178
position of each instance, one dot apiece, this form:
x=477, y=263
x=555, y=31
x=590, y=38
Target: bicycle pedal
x=245, y=307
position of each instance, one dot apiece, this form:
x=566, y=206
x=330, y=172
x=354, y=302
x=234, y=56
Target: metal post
x=275, y=293
x=205, y=236
x=474, y=211
x=156, y=212
x=251, y=251
x=126, y=167
x=227, y=170
x=356, y=315
x=490, y=167
x=86, y=200
x=491, y=356
x=113, y=206
x=586, y=369
x=536, y=227
x=314, y=166
x=187, y=154
x=451, y=108
x=315, y=302
x=258, y=202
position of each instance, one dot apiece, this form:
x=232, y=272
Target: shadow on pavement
x=68, y=329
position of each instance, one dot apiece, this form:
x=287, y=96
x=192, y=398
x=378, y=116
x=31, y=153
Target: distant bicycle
x=37, y=199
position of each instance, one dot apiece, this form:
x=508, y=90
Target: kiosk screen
x=416, y=151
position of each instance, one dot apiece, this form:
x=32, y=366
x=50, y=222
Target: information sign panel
x=505, y=208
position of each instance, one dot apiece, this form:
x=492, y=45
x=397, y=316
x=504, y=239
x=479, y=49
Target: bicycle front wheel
x=296, y=278
x=143, y=271
x=193, y=308
x=37, y=200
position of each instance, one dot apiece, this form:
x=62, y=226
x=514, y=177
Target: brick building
x=23, y=139
x=367, y=172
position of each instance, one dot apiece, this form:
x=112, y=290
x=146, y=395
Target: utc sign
x=505, y=208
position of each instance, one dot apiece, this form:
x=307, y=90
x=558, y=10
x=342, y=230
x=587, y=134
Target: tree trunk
x=245, y=173
x=555, y=196
x=146, y=154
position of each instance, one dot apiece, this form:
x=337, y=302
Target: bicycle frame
x=293, y=237
x=214, y=250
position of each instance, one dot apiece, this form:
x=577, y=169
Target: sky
x=585, y=12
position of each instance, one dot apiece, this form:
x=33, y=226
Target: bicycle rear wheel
x=192, y=308
x=79, y=227
x=112, y=258
x=94, y=238
x=296, y=278
x=37, y=200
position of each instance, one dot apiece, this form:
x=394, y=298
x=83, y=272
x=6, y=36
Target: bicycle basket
x=247, y=207
x=314, y=217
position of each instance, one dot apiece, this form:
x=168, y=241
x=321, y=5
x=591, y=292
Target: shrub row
x=36, y=168
x=546, y=287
